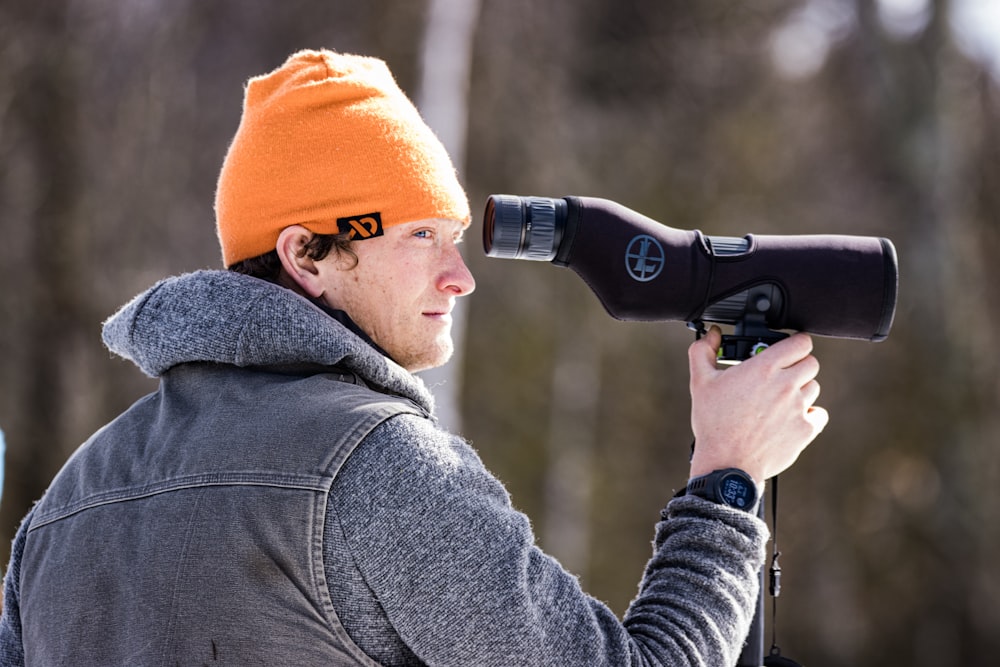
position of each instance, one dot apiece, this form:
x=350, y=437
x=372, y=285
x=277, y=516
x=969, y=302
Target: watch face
x=736, y=491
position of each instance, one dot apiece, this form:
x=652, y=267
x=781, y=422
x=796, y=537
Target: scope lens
x=523, y=227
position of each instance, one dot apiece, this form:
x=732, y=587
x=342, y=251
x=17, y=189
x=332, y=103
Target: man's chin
x=435, y=358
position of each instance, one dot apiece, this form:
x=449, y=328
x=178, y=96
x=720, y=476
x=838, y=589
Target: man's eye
x=423, y=234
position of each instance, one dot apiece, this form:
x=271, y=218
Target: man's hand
x=757, y=416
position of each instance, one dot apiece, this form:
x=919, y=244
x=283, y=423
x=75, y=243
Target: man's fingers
x=819, y=418
x=789, y=351
x=810, y=393
x=805, y=371
x=702, y=353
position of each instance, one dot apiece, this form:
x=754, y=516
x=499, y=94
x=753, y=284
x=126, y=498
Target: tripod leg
x=753, y=650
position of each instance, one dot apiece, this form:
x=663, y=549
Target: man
x=286, y=496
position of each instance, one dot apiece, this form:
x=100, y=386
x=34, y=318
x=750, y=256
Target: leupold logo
x=644, y=258
x=363, y=226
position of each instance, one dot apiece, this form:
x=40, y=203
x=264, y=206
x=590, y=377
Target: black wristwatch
x=731, y=487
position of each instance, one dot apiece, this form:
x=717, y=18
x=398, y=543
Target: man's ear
x=299, y=267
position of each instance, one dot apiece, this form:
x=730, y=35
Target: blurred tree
x=44, y=301
x=443, y=99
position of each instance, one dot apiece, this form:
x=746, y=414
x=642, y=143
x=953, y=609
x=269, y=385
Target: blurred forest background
x=872, y=117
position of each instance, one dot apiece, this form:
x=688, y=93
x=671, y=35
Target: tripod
x=753, y=650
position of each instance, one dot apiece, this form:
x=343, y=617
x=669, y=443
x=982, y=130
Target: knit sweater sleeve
x=456, y=571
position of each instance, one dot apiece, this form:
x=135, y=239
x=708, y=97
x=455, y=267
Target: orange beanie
x=330, y=142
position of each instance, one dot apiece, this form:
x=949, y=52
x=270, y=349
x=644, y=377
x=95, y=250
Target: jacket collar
x=229, y=318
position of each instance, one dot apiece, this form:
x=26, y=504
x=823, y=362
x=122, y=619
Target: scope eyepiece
x=523, y=227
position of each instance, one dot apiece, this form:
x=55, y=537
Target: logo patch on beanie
x=364, y=226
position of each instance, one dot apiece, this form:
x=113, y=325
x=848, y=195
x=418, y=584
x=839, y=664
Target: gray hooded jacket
x=285, y=497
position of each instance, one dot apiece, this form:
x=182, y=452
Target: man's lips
x=440, y=311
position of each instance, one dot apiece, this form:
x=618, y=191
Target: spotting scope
x=833, y=285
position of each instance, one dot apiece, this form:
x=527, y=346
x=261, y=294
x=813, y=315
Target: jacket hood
x=229, y=318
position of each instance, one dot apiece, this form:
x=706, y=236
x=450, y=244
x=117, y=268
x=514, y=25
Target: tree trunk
x=443, y=100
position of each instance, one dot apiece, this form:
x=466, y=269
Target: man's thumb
x=704, y=352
